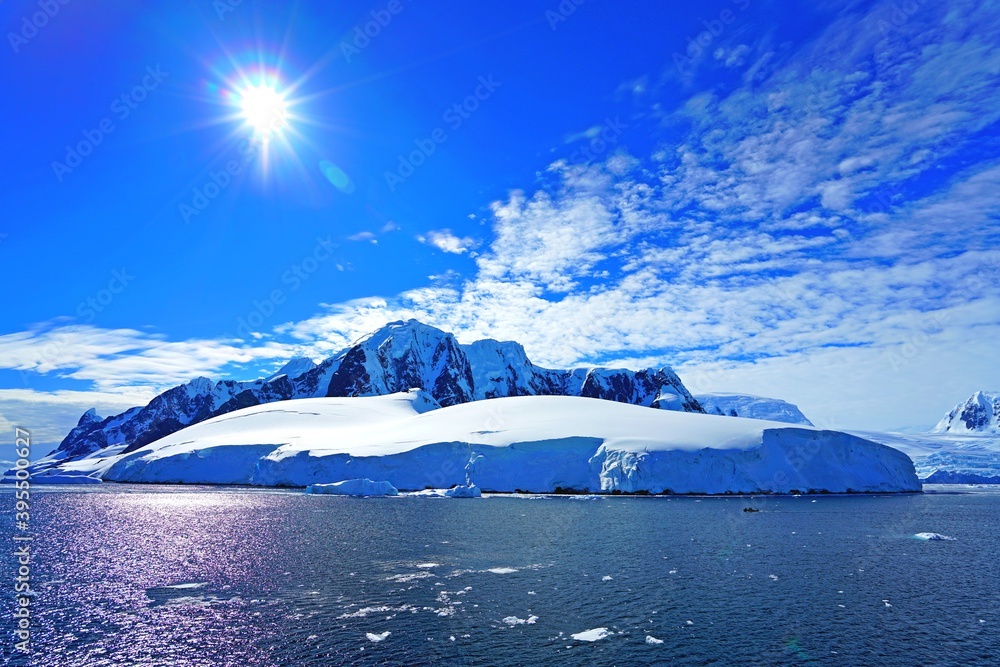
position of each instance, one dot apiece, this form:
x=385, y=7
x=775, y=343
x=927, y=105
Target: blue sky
x=788, y=199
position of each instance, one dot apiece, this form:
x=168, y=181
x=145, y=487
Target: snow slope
x=752, y=407
x=532, y=443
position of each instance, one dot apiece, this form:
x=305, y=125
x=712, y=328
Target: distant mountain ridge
x=398, y=357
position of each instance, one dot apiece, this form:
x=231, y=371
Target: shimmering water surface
x=209, y=576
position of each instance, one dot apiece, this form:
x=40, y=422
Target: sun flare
x=264, y=109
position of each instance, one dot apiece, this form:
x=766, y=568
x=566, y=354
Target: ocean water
x=209, y=576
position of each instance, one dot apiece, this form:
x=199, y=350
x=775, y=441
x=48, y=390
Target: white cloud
x=445, y=241
x=49, y=415
x=115, y=358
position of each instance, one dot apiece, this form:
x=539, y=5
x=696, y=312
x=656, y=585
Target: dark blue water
x=202, y=576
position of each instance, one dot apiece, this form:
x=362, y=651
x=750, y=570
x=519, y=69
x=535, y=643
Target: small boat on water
x=750, y=509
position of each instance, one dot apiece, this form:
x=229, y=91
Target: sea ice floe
x=606, y=577
x=427, y=566
x=372, y=637
x=502, y=570
x=514, y=620
x=933, y=536
x=593, y=635
x=381, y=609
x=650, y=639
x=187, y=586
x=408, y=576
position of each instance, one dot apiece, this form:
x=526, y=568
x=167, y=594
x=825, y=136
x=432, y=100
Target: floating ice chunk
x=427, y=566
x=187, y=586
x=672, y=572
x=354, y=487
x=596, y=634
x=933, y=536
x=372, y=637
x=650, y=639
x=502, y=570
x=408, y=577
x=773, y=576
x=606, y=577
x=514, y=620
x=460, y=491
x=688, y=622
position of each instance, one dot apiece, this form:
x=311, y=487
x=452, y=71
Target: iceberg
x=354, y=487
x=538, y=444
x=934, y=537
x=463, y=491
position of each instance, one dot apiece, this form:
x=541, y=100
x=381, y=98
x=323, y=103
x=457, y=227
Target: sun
x=264, y=109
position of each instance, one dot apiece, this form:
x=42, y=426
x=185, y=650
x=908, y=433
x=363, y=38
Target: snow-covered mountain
x=397, y=357
x=964, y=447
x=752, y=407
x=531, y=443
x=979, y=414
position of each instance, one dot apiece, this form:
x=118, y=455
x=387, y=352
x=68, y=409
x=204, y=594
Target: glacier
x=947, y=458
x=752, y=407
x=964, y=447
x=539, y=444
